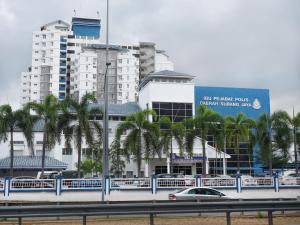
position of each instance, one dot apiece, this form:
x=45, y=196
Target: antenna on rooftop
x=74, y=12
x=98, y=14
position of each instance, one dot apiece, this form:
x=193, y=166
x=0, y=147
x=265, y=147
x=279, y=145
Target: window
x=127, y=61
x=94, y=76
x=119, y=60
x=36, y=51
x=37, y=35
x=39, y=142
x=86, y=83
x=86, y=76
x=44, y=44
x=18, y=142
x=44, y=36
x=67, y=151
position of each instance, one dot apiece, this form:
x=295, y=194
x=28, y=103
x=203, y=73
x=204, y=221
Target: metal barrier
x=2, y=185
x=19, y=185
x=218, y=182
x=81, y=184
x=150, y=209
x=175, y=182
x=130, y=183
x=152, y=184
x=264, y=181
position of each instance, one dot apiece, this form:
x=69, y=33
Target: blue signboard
x=231, y=101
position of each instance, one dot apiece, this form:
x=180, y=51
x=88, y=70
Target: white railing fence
x=218, y=182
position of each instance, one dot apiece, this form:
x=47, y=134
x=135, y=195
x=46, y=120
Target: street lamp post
x=105, y=155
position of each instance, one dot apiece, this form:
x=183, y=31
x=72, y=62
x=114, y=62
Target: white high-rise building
x=53, y=49
x=69, y=60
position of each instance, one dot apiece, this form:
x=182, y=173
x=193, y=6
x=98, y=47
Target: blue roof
x=32, y=162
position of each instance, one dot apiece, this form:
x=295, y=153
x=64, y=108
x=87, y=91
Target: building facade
x=230, y=102
x=69, y=60
x=53, y=49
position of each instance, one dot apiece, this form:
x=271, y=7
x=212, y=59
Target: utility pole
x=295, y=143
x=105, y=155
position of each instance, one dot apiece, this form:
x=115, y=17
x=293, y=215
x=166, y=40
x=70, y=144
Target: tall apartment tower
x=128, y=62
x=53, y=50
x=69, y=60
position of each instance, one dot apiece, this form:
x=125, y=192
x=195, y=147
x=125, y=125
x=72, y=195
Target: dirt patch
x=206, y=220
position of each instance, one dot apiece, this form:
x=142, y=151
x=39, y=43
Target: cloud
x=224, y=43
x=7, y=16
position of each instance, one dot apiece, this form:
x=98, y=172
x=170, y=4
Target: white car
x=248, y=180
x=199, y=193
x=291, y=179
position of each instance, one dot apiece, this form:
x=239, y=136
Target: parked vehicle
x=291, y=179
x=248, y=180
x=198, y=193
x=47, y=175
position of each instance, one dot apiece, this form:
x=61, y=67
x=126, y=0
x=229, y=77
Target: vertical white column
x=168, y=165
x=146, y=169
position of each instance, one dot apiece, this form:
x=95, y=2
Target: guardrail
x=150, y=209
x=152, y=184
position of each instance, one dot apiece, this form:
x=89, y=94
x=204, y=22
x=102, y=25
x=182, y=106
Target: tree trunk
x=171, y=157
x=270, y=159
x=238, y=154
x=44, y=152
x=11, y=172
x=204, y=157
x=79, y=161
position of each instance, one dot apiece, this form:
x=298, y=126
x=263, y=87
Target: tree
x=239, y=130
x=220, y=133
x=200, y=127
x=296, y=134
x=141, y=134
x=263, y=137
x=168, y=132
x=74, y=123
x=10, y=121
x=282, y=135
x=47, y=113
x=117, y=155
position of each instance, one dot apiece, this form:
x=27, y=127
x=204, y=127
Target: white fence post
x=238, y=183
x=6, y=186
x=107, y=185
x=58, y=185
x=198, y=180
x=276, y=182
x=154, y=184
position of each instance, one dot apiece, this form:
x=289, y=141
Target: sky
x=232, y=43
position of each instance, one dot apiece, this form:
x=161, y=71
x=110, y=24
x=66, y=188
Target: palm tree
x=296, y=131
x=281, y=123
x=220, y=133
x=263, y=137
x=10, y=121
x=169, y=131
x=239, y=130
x=47, y=112
x=200, y=127
x=142, y=134
x=74, y=123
